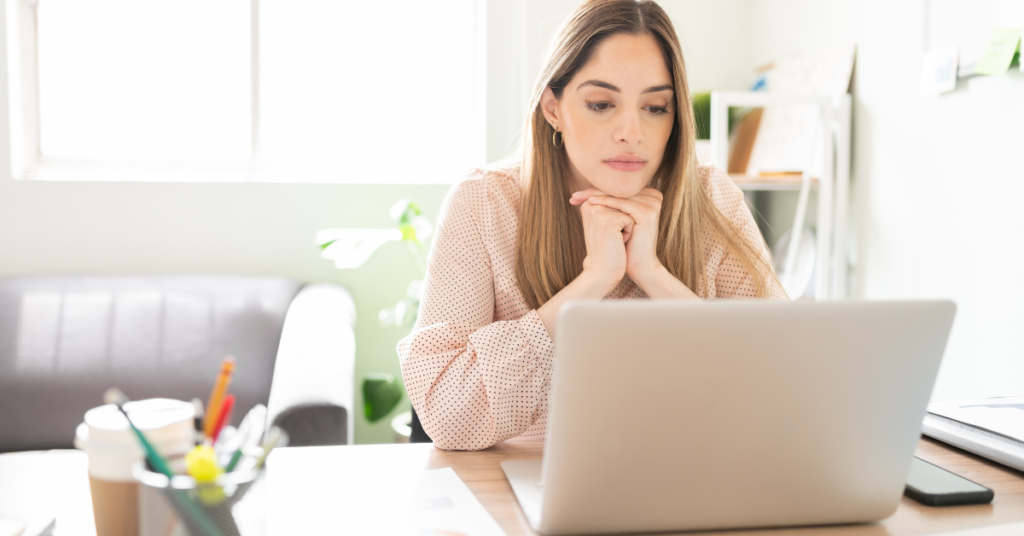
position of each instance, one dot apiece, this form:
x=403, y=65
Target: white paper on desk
x=1000, y=415
x=442, y=502
x=39, y=526
x=1010, y=529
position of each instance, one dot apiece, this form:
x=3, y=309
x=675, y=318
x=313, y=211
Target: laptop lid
x=669, y=415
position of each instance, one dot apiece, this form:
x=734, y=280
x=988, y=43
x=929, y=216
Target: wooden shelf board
x=769, y=183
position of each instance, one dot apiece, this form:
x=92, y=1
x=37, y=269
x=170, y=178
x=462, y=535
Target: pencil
x=225, y=415
x=227, y=368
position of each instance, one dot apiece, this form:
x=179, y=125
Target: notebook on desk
x=669, y=415
x=989, y=427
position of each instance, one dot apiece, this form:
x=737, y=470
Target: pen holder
x=205, y=509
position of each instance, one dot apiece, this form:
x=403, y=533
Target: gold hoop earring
x=555, y=136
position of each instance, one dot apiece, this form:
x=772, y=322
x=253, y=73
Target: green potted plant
x=350, y=248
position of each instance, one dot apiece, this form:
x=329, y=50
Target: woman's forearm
x=659, y=283
x=587, y=286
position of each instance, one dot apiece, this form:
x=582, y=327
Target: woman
x=607, y=202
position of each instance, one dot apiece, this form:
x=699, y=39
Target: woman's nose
x=629, y=129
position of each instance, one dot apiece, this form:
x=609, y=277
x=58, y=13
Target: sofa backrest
x=64, y=340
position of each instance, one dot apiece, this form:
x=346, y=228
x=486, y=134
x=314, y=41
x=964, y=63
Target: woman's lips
x=626, y=163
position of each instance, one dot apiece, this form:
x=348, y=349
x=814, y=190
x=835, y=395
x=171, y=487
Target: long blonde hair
x=550, y=246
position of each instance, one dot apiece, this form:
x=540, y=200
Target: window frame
x=28, y=163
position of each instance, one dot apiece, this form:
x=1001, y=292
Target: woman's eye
x=598, y=106
x=657, y=110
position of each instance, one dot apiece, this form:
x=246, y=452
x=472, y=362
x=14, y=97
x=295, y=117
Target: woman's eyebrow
x=598, y=83
x=655, y=89
x=606, y=85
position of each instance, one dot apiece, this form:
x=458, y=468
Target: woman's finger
x=610, y=216
x=634, y=208
x=578, y=198
x=650, y=197
x=648, y=201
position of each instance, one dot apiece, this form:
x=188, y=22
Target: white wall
x=938, y=181
x=716, y=41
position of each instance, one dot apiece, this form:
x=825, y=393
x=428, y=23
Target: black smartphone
x=934, y=486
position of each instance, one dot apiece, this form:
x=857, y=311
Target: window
x=247, y=90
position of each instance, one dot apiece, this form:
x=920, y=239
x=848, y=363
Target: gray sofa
x=65, y=339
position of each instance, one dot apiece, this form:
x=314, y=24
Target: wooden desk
x=368, y=474
x=350, y=490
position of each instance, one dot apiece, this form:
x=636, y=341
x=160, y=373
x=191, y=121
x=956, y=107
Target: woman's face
x=615, y=115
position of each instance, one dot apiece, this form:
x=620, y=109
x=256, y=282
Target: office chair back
x=418, y=435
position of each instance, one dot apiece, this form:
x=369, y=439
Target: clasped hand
x=621, y=234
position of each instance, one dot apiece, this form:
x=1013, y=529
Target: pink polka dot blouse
x=477, y=366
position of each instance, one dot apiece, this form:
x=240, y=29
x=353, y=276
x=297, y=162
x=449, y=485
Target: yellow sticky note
x=999, y=53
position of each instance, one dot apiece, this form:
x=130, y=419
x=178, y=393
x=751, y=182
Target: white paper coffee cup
x=119, y=506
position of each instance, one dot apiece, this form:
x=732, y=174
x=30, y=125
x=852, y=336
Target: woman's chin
x=615, y=183
x=623, y=189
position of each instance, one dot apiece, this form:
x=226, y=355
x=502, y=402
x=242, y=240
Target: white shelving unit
x=833, y=186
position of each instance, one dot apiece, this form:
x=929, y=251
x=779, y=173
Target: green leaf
x=702, y=114
x=409, y=214
x=381, y=393
x=408, y=232
x=404, y=210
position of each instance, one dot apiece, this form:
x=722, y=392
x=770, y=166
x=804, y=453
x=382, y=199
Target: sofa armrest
x=316, y=358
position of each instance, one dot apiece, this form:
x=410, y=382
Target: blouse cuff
x=537, y=335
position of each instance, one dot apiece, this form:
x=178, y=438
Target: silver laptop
x=669, y=415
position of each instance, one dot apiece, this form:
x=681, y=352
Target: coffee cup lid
x=107, y=426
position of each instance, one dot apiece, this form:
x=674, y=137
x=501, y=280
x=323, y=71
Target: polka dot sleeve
x=477, y=371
